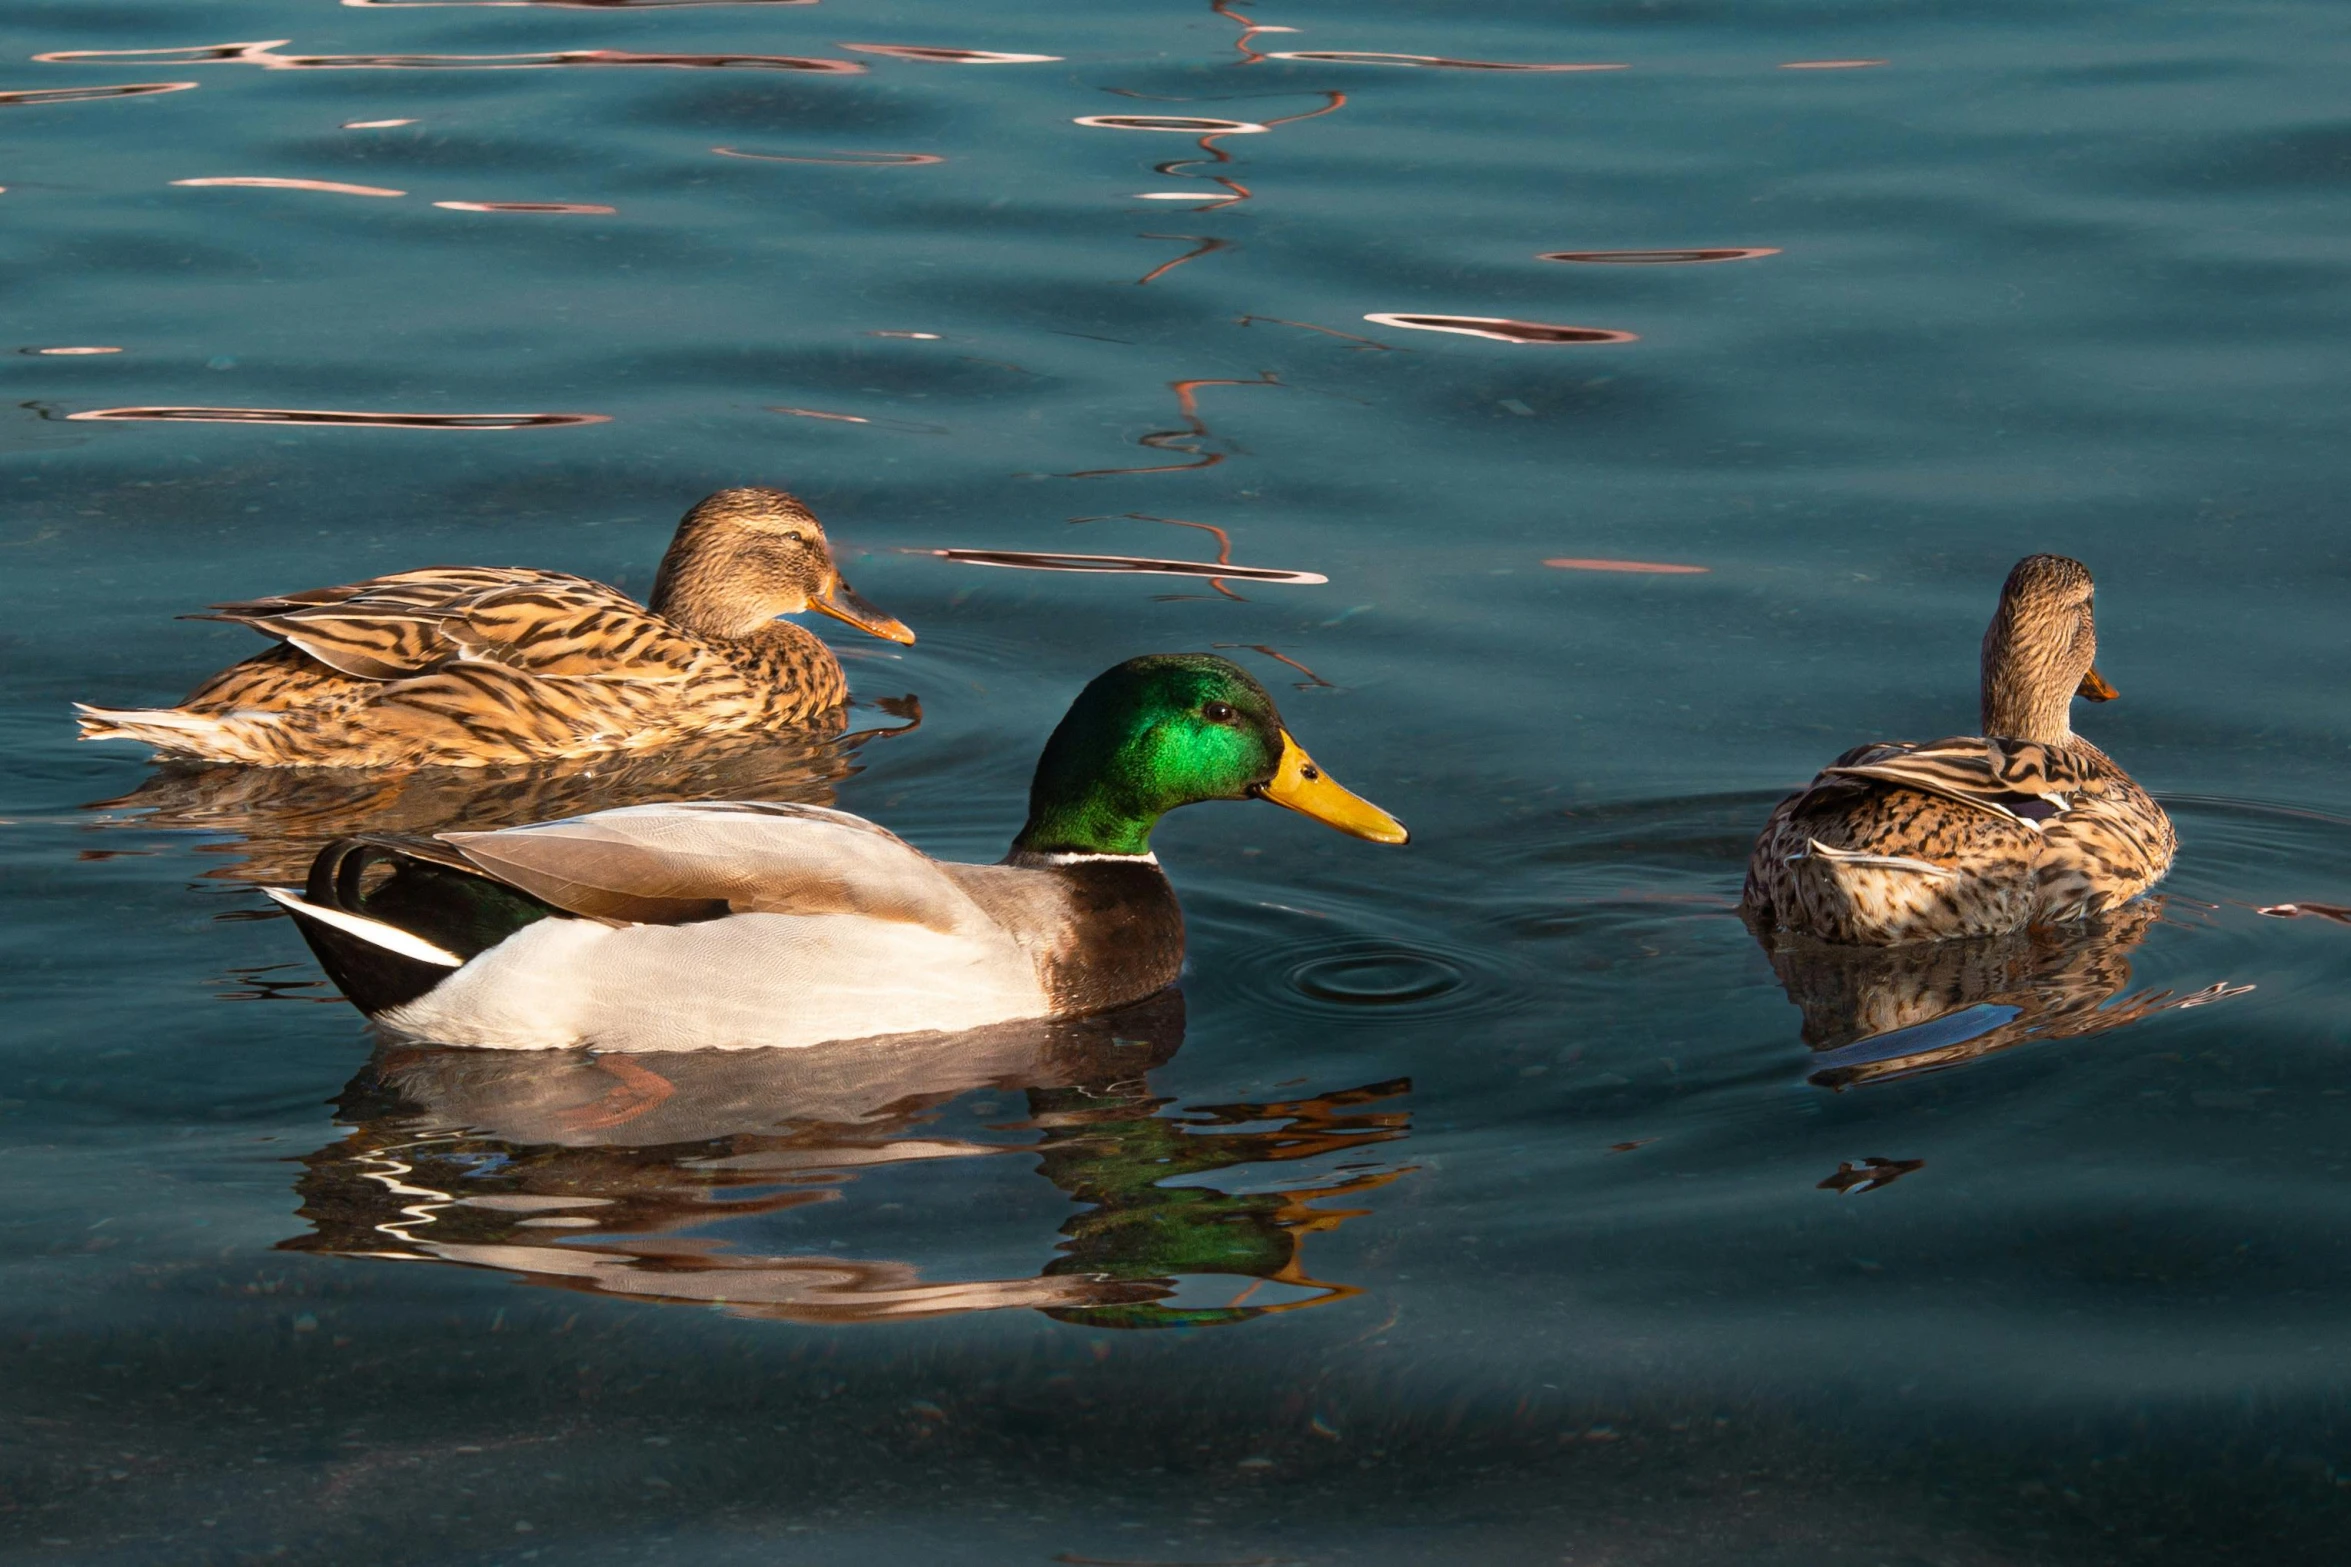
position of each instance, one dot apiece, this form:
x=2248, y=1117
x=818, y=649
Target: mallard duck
x=468, y=666
x=739, y=924
x=2027, y=824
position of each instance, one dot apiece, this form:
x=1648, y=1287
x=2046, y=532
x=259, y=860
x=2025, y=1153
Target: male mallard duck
x=468, y=666
x=2027, y=825
x=719, y=924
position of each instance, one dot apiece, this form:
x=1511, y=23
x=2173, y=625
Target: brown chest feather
x=1102, y=933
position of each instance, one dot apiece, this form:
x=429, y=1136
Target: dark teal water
x=1517, y=1122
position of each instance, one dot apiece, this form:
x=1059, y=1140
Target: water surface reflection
x=263, y=53
x=1184, y=124
x=523, y=206
x=691, y=1178
x=81, y=94
x=1655, y=568
x=1875, y=1013
x=273, y=820
x=1044, y=560
x=1502, y=329
x=1661, y=258
x=272, y=182
x=948, y=56
x=1427, y=61
x=345, y=417
x=560, y=5
x=1195, y=433
x=876, y=160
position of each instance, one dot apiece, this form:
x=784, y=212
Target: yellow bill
x=2094, y=688
x=1300, y=785
x=841, y=602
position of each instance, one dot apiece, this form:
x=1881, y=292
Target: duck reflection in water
x=652, y=1176
x=276, y=819
x=1874, y=1013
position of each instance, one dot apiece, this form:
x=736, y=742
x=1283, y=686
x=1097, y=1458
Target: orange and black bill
x=842, y=603
x=2094, y=688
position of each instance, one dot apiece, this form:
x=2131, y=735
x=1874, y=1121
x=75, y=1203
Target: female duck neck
x=695, y=590
x=2023, y=699
x=717, y=616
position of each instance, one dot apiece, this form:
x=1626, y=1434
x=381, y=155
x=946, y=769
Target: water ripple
x=1502, y=329
x=268, y=182
x=523, y=206
x=1427, y=61
x=336, y=416
x=862, y=160
x=948, y=56
x=1365, y=975
x=28, y=95
x=263, y=54
x=1660, y=258
x=1040, y=560
x=1181, y=124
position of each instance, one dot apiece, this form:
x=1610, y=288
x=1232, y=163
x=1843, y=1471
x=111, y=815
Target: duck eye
x=797, y=537
x=1218, y=712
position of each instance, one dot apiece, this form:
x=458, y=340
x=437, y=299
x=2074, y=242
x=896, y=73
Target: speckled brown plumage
x=2028, y=825
x=478, y=666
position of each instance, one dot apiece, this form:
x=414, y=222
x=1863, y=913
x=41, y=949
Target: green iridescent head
x=1171, y=729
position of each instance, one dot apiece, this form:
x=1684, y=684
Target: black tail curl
x=432, y=893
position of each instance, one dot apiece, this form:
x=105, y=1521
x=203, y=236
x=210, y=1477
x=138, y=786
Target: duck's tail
x=1850, y=895
x=377, y=964
x=385, y=942
x=1840, y=864
x=173, y=731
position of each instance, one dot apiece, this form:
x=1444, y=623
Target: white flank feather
x=756, y=980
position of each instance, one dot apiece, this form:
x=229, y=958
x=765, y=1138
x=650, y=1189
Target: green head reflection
x=673, y=1178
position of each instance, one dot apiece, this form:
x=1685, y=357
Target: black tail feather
x=432, y=893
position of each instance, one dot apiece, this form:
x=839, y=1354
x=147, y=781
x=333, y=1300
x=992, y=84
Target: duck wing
x=572, y=629
x=422, y=589
x=2018, y=780
x=415, y=622
x=669, y=864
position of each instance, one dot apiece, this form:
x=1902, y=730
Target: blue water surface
x=1482, y=1200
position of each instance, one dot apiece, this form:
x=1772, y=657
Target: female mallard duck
x=730, y=925
x=467, y=666
x=2027, y=825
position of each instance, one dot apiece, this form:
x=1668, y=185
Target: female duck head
x=743, y=557
x=1168, y=730
x=2041, y=651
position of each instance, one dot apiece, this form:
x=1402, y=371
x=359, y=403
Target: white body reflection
x=666, y=1177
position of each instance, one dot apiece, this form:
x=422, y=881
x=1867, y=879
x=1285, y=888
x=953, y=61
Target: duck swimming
x=2028, y=824
x=743, y=924
x=465, y=666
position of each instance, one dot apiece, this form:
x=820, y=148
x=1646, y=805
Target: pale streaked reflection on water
x=1495, y=1198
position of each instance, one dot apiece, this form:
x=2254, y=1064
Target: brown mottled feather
x=479, y=666
x=1972, y=836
